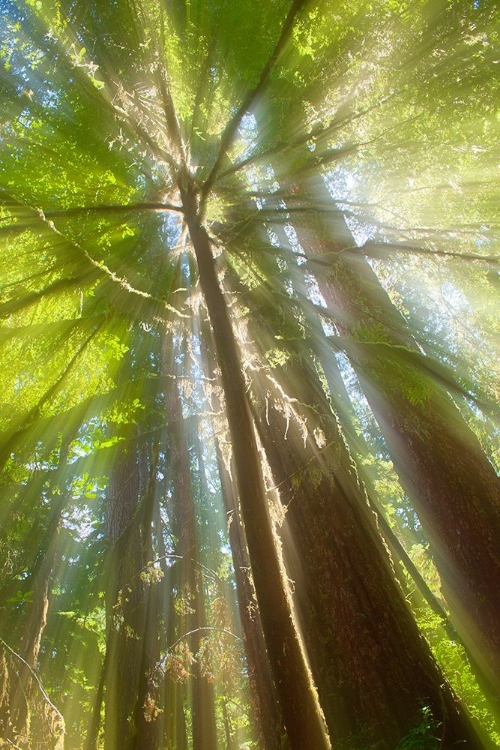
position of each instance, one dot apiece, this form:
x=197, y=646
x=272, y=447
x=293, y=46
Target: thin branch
x=38, y=682
x=196, y=630
x=371, y=247
x=232, y=126
x=77, y=210
x=449, y=232
x=316, y=133
x=204, y=570
x=100, y=266
x=381, y=251
x=439, y=372
x=50, y=393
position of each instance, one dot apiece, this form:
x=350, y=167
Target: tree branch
x=38, y=682
x=77, y=210
x=233, y=124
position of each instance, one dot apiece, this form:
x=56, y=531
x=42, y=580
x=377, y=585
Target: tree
x=437, y=456
x=178, y=283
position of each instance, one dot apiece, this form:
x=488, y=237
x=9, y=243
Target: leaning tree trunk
x=373, y=669
x=301, y=712
x=439, y=460
x=265, y=709
x=343, y=408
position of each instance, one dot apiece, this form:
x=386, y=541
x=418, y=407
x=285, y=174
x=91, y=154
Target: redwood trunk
x=265, y=710
x=303, y=720
x=373, y=669
x=202, y=691
x=439, y=460
x=148, y=725
x=125, y=599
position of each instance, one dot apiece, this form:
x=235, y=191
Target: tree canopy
x=249, y=395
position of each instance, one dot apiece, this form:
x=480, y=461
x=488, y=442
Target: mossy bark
x=301, y=712
x=263, y=699
x=265, y=710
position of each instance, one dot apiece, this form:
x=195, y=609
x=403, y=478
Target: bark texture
x=302, y=716
x=271, y=733
x=439, y=460
x=266, y=713
x=373, y=670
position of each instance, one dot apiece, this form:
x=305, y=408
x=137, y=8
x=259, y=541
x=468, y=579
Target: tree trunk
x=125, y=598
x=263, y=700
x=175, y=693
x=302, y=716
x=23, y=688
x=202, y=691
x=373, y=669
x=147, y=711
x=265, y=710
x=439, y=460
x=343, y=408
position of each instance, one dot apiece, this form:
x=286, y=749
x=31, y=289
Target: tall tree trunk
x=373, y=669
x=174, y=692
x=147, y=711
x=202, y=691
x=265, y=709
x=263, y=700
x=343, y=408
x=125, y=597
x=301, y=712
x=23, y=687
x=439, y=460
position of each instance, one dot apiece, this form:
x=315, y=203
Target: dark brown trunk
x=175, y=693
x=147, y=710
x=265, y=710
x=421, y=592
x=303, y=720
x=373, y=669
x=263, y=700
x=439, y=460
x=95, y=720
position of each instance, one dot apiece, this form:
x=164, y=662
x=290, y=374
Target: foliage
x=113, y=430
x=425, y=735
x=451, y=654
